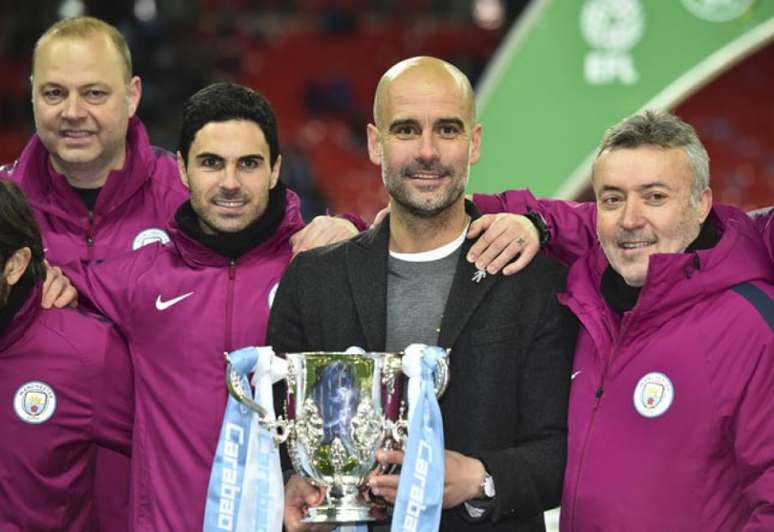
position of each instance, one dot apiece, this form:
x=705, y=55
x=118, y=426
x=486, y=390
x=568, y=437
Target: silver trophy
x=339, y=410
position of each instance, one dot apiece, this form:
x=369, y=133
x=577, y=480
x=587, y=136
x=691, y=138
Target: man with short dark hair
x=65, y=379
x=183, y=305
x=407, y=281
x=671, y=399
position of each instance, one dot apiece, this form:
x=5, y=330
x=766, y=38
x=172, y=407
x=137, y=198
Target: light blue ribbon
x=240, y=494
x=419, y=500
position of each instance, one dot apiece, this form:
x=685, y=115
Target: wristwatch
x=487, y=490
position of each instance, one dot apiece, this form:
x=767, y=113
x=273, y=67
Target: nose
x=73, y=108
x=230, y=180
x=631, y=215
x=428, y=150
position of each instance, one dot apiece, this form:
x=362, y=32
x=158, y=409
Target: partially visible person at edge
x=65, y=380
x=96, y=185
x=670, y=419
x=183, y=305
x=407, y=281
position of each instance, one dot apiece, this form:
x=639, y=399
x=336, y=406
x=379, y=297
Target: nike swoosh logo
x=572, y=377
x=163, y=305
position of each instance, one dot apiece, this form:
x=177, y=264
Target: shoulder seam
x=758, y=299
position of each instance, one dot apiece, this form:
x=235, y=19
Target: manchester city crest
x=653, y=394
x=149, y=236
x=34, y=402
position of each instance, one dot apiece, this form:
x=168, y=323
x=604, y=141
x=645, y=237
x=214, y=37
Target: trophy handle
x=441, y=375
x=278, y=428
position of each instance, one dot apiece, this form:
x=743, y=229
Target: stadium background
x=550, y=75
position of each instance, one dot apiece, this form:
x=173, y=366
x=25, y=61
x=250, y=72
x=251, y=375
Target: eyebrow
x=646, y=186
x=450, y=122
x=440, y=122
x=206, y=154
x=403, y=122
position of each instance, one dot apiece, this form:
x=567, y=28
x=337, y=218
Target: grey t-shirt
x=416, y=296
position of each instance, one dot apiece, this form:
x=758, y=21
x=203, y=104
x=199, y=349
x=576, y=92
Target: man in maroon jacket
x=66, y=385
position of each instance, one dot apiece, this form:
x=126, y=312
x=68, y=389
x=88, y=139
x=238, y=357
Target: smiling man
x=96, y=185
x=183, y=305
x=671, y=400
x=407, y=281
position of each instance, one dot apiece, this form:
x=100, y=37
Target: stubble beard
x=398, y=191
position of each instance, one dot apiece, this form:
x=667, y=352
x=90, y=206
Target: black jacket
x=510, y=363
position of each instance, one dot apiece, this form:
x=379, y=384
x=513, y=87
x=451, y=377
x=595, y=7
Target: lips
x=229, y=203
x=425, y=176
x=420, y=172
x=635, y=245
x=75, y=134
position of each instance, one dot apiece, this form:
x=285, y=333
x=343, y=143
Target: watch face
x=489, y=487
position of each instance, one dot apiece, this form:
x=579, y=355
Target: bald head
x=422, y=73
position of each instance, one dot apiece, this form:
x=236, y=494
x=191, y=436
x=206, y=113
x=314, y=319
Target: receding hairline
x=434, y=67
x=82, y=28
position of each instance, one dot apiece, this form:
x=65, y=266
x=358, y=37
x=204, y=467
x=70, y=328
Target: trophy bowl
x=340, y=408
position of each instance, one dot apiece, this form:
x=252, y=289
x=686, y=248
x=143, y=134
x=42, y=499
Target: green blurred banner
x=571, y=68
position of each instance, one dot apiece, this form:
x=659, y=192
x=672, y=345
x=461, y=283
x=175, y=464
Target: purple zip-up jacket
x=692, y=347
x=132, y=208
x=181, y=306
x=66, y=385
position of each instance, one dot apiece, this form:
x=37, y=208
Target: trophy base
x=331, y=514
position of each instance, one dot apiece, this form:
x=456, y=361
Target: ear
x=17, y=265
x=275, y=171
x=475, y=144
x=374, y=144
x=183, y=172
x=134, y=93
x=705, y=204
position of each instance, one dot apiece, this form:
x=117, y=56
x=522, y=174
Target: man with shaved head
x=407, y=281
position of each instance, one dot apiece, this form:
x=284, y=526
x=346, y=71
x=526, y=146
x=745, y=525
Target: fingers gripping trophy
x=340, y=408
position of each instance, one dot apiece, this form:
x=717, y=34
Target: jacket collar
x=198, y=255
x=366, y=262
x=49, y=191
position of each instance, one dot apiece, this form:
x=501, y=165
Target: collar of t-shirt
x=88, y=196
x=433, y=254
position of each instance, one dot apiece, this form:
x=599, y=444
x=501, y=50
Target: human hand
x=58, y=292
x=386, y=486
x=381, y=215
x=463, y=476
x=320, y=231
x=501, y=238
x=300, y=494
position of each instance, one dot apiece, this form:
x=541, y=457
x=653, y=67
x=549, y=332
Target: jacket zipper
x=594, y=407
x=229, y=303
x=90, y=238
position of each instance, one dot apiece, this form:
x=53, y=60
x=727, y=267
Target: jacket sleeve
x=572, y=225
x=113, y=395
x=107, y=287
x=528, y=476
x=754, y=441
